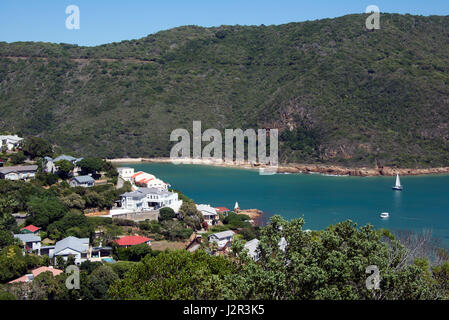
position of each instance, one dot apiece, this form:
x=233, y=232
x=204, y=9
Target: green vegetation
x=236, y=221
x=172, y=275
x=37, y=147
x=64, y=168
x=166, y=214
x=328, y=264
x=338, y=93
x=133, y=253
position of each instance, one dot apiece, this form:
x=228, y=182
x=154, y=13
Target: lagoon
x=321, y=200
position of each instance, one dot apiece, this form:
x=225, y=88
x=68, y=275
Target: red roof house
x=30, y=229
x=34, y=273
x=132, y=241
x=222, y=209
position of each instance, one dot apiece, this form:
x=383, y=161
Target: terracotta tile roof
x=39, y=270
x=131, y=240
x=35, y=273
x=222, y=209
x=137, y=174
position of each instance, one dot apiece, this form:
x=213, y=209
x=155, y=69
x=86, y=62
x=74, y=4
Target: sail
x=398, y=181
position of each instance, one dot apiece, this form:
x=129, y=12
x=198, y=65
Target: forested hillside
x=339, y=93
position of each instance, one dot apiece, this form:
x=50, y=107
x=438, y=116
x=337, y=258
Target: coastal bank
x=296, y=167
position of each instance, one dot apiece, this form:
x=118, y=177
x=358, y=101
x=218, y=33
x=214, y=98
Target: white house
x=253, y=248
x=222, y=238
x=209, y=213
x=126, y=173
x=82, y=181
x=148, y=180
x=10, y=142
x=30, y=241
x=50, y=167
x=147, y=199
x=18, y=172
x=70, y=246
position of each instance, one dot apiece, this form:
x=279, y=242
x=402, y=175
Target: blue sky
x=104, y=21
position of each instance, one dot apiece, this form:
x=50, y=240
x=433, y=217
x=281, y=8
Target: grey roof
x=134, y=195
x=74, y=243
x=12, y=138
x=223, y=234
x=27, y=237
x=6, y=170
x=206, y=210
x=83, y=179
x=252, y=246
x=143, y=192
x=64, y=157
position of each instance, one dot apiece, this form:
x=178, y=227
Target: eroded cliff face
x=338, y=170
x=299, y=168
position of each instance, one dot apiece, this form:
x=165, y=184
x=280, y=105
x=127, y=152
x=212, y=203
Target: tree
x=64, y=168
x=191, y=215
x=4, y=295
x=37, y=147
x=236, y=221
x=175, y=230
x=48, y=287
x=47, y=179
x=18, y=158
x=174, y=275
x=60, y=262
x=441, y=276
x=91, y=165
x=330, y=264
x=100, y=280
x=71, y=224
x=14, y=264
x=74, y=201
x=44, y=211
x=166, y=214
x=90, y=266
x=6, y=238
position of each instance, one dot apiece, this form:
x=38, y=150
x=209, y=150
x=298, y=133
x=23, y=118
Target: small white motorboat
x=384, y=215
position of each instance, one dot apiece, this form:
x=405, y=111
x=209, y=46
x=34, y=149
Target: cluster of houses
x=9, y=143
x=141, y=179
x=78, y=248
x=49, y=166
x=223, y=241
x=18, y=172
x=76, y=180
x=148, y=194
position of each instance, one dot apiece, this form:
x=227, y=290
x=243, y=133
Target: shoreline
x=331, y=170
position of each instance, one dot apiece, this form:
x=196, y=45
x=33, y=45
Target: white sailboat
x=384, y=215
x=398, y=185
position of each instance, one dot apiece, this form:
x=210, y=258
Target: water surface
x=321, y=200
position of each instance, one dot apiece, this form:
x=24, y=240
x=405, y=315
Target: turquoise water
x=321, y=200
